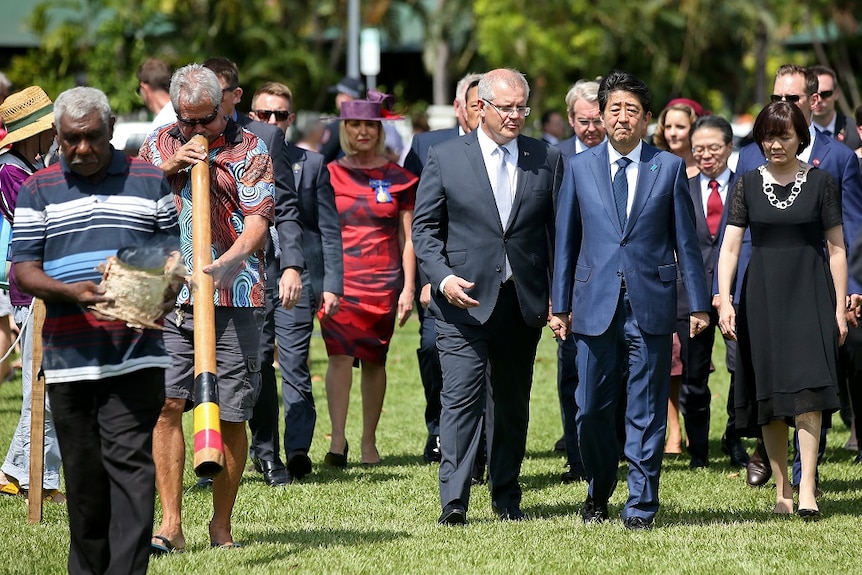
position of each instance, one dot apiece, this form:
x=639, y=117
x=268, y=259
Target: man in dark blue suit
x=625, y=229
x=483, y=231
x=466, y=108
x=291, y=328
x=287, y=226
x=800, y=86
x=582, y=109
x=712, y=143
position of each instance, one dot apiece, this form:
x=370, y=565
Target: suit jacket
x=568, y=148
x=415, y=160
x=850, y=137
x=321, y=229
x=827, y=154
x=708, y=244
x=457, y=230
x=593, y=253
x=286, y=205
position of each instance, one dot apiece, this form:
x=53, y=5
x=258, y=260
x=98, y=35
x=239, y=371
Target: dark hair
x=858, y=115
x=777, y=119
x=546, y=116
x=716, y=122
x=812, y=84
x=623, y=81
x=156, y=74
x=824, y=71
x=225, y=70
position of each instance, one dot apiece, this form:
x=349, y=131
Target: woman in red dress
x=374, y=198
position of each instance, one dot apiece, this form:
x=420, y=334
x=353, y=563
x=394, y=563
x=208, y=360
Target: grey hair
x=82, y=101
x=511, y=78
x=587, y=90
x=464, y=85
x=196, y=84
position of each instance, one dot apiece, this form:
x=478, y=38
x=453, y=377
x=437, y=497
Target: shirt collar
x=487, y=145
x=634, y=155
x=723, y=178
x=118, y=165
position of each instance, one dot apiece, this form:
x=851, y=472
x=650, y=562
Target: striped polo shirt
x=71, y=226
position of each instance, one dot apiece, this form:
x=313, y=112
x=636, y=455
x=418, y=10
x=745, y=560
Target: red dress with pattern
x=369, y=202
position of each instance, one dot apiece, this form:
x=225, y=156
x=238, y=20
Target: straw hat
x=26, y=113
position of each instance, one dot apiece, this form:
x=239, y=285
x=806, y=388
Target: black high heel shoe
x=810, y=514
x=337, y=459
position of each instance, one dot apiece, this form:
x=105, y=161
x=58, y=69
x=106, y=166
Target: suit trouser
x=292, y=330
x=624, y=353
x=105, y=429
x=429, y=370
x=567, y=384
x=694, y=394
x=508, y=344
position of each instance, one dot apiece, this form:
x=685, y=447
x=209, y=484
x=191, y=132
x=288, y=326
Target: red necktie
x=713, y=208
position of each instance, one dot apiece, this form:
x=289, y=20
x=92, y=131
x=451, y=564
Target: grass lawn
x=383, y=519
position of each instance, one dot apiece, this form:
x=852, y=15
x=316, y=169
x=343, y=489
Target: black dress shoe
x=560, y=445
x=698, y=463
x=453, y=516
x=510, y=513
x=593, y=511
x=256, y=463
x=204, y=483
x=758, y=470
x=337, y=459
x=432, y=454
x=810, y=514
x=274, y=473
x=637, y=523
x=573, y=475
x=298, y=465
x=732, y=446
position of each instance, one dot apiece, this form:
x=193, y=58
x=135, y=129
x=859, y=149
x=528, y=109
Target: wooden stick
x=208, y=446
x=37, y=414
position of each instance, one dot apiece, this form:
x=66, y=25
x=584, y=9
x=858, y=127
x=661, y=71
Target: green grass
x=383, y=519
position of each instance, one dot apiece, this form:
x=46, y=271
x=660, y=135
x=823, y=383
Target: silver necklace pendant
x=801, y=176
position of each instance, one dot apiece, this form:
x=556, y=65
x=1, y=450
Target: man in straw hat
x=105, y=380
x=29, y=120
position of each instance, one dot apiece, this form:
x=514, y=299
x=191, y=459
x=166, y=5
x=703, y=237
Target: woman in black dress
x=792, y=314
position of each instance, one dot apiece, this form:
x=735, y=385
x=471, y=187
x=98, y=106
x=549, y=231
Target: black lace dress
x=788, y=338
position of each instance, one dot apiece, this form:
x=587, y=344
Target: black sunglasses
x=792, y=98
x=192, y=122
x=280, y=115
x=826, y=93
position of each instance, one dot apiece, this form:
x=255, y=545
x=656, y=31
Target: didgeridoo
x=209, y=448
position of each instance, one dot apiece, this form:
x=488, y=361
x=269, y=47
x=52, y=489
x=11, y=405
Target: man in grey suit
x=466, y=108
x=287, y=226
x=625, y=225
x=483, y=231
x=322, y=281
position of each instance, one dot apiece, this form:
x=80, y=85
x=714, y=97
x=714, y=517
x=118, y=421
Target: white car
x=128, y=136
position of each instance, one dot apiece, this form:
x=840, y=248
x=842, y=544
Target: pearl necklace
x=801, y=176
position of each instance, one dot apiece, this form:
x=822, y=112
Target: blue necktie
x=621, y=190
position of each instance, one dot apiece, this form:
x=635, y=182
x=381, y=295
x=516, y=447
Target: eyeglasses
x=826, y=93
x=192, y=122
x=522, y=111
x=280, y=115
x=585, y=123
x=712, y=149
x=792, y=98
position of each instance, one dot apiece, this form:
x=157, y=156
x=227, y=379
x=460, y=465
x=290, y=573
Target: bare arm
x=727, y=262
x=252, y=239
x=408, y=265
x=838, y=266
x=32, y=279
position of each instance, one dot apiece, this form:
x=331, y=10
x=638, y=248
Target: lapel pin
x=653, y=168
x=816, y=161
x=297, y=167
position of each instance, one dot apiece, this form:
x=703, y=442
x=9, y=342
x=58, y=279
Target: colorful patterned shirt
x=71, y=226
x=241, y=182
